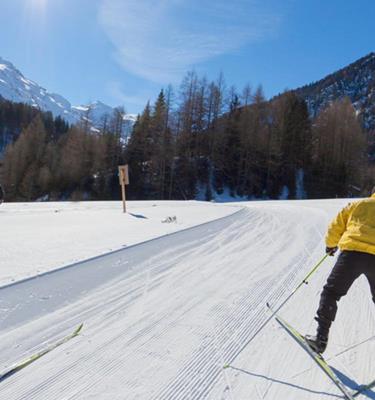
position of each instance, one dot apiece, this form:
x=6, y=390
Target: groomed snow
x=39, y=237
x=163, y=317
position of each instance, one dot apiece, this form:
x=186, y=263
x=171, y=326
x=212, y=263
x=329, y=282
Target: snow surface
x=163, y=317
x=44, y=236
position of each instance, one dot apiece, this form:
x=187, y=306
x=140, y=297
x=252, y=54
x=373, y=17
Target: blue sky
x=123, y=52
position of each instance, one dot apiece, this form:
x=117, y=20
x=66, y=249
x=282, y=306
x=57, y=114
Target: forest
x=202, y=141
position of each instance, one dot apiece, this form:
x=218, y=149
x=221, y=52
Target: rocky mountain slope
x=356, y=81
x=14, y=86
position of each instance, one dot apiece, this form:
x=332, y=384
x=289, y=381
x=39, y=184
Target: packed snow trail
x=162, y=318
x=41, y=237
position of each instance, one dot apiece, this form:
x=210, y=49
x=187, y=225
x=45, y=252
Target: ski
x=318, y=359
x=17, y=367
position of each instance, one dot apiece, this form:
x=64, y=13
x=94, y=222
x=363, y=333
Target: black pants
x=349, y=266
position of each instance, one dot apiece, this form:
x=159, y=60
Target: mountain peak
x=4, y=64
x=15, y=87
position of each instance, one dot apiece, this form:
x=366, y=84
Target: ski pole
x=304, y=282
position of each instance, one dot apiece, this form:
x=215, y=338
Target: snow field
x=38, y=237
x=162, y=318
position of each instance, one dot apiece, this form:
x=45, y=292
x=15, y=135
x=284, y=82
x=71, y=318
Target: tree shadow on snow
x=286, y=383
x=138, y=216
x=369, y=393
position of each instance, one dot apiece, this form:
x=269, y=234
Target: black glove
x=331, y=251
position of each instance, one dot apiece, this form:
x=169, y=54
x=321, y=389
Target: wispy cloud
x=160, y=39
x=136, y=100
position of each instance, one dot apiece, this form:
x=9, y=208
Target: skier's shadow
x=348, y=382
x=267, y=378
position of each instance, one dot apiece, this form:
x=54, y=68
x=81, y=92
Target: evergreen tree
x=138, y=155
x=228, y=148
x=294, y=130
x=161, y=149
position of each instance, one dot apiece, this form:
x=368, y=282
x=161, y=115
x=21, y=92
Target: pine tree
x=161, y=149
x=138, y=155
x=294, y=130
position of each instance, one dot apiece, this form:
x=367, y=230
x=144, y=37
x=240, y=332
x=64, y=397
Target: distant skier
x=353, y=231
x=1, y=195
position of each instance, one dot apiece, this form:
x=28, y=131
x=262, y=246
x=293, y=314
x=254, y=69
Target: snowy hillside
x=96, y=113
x=15, y=87
x=163, y=317
x=356, y=81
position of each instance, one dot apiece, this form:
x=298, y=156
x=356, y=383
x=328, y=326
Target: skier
x=353, y=231
x=1, y=195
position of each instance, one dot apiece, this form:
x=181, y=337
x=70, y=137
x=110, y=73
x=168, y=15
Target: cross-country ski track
x=162, y=318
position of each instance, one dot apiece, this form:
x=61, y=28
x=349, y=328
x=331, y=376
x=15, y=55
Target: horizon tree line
x=203, y=141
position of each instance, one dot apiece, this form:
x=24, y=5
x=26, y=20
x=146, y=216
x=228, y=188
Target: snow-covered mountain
x=95, y=111
x=14, y=86
x=356, y=81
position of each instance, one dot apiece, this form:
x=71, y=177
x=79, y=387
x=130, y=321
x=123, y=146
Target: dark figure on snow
x=1, y=194
x=353, y=231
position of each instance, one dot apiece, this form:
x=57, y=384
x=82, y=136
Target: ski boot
x=318, y=342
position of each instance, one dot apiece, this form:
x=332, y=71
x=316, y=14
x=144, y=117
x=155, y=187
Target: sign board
x=123, y=173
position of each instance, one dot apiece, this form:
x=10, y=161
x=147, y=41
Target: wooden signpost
x=123, y=174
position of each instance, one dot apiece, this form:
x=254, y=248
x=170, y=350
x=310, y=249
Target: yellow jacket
x=354, y=227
